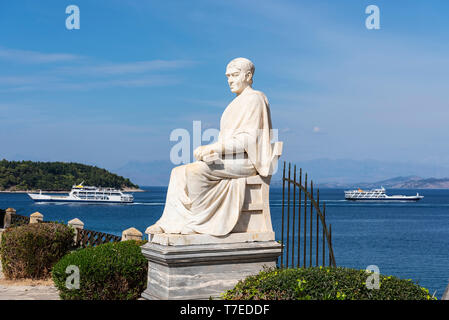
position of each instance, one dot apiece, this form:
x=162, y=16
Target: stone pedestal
x=190, y=268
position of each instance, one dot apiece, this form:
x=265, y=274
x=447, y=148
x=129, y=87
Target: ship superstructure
x=81, y=193
x=377, y=195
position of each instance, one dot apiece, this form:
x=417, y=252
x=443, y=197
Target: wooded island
x=56, y=176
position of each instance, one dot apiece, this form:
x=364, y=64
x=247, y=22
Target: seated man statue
x=206, y=197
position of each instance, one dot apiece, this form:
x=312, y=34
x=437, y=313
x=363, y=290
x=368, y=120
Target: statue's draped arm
x=247, y=128
x=240, y=127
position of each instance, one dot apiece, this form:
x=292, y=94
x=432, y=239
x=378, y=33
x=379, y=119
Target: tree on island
x=56, y=176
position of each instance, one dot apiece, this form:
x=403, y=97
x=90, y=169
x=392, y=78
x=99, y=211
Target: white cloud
x=50, y=84
x=24, y=56
x=89, y=75
x=127, y=67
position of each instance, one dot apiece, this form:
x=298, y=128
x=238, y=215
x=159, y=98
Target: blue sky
x=112, y=92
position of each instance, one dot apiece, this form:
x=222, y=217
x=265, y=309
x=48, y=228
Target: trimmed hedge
x=111, y=271
x=30, y=251
x=323, y=283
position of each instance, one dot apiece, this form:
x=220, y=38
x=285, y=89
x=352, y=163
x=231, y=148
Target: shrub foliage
x=111, y=271
x=30, y=251
x=323, y=283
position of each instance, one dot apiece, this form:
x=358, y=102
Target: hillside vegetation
x=55, y=176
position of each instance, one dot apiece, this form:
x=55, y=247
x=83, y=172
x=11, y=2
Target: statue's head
x=240, y=72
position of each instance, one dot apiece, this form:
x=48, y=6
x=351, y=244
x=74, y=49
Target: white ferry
x=377, y=195
x=86, y=194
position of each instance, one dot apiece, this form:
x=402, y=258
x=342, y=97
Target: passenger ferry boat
x=86, y=194
x=377, y=195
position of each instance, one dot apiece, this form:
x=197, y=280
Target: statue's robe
x=208, y=198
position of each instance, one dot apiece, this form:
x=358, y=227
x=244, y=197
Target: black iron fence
x=84, y=238
x=18, y=220
x=89, y=238
x=304, y=234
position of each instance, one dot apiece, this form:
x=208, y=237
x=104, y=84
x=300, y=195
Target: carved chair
x=255, y=215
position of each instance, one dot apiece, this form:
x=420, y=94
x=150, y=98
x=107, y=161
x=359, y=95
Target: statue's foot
x=154, y=229
x=187, y=230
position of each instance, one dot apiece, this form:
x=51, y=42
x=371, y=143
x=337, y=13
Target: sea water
x=409, y=240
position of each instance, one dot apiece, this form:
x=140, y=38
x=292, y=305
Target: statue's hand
x=202, y=151
x=198, y=153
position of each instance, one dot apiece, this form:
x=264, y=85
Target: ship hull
x=47, y=198
x=388, y=199
x=79, y=201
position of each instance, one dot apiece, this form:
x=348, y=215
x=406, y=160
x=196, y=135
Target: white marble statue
x=206, y=197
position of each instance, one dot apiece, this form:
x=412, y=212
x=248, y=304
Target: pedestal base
x=201, y=271
x=170, y=239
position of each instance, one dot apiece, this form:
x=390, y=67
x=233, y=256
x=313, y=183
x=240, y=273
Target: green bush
x=31, y=250
x=112, y=271
x=318, y=283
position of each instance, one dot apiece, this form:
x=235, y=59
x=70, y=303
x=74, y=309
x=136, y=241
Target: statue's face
x=237, y=79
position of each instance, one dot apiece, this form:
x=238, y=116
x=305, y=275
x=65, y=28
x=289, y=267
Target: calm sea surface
x=408, y=240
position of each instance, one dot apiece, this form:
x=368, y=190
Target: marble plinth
x=170, y=239
x=201, y=271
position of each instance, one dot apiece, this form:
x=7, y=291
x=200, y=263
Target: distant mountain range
x=410, y=182
x=347, y=171
x=339, y=173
